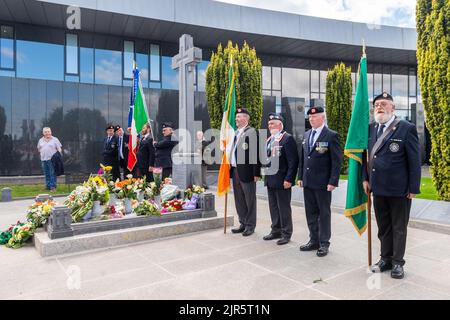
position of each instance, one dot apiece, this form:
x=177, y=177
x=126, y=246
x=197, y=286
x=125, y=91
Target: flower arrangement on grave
x=128, y=188
x=17, y=235
x=193, y=190
x=39, y=212
x=147, y=208
x=80, y=202
x=105, y=172
x=172, y=206
x=98, y=188
x=114, y=212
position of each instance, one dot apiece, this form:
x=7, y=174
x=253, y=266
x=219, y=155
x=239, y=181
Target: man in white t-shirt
x=47, y=147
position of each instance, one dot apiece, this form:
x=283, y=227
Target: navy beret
x=315, y=110
x=275, y=116
x=384, y=95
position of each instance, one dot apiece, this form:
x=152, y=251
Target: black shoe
x=283, y=241
x=248, y=232
x=397, y=272
x=272, y=236
x=310, y=246
x=381, y=266
x=322, y=252
x=238, y=230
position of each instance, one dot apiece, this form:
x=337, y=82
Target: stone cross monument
x=186, y=162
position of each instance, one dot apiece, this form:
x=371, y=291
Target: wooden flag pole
x=369, y=226
x=226, y=209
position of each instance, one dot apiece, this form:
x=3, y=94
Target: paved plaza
x=211, y=265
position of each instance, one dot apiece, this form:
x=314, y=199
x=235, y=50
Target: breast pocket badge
x=394, y=147
x=245, y=146
x=276, y=151
x=322, y=147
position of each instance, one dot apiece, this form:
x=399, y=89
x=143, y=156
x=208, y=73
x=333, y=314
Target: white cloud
x=399, y=13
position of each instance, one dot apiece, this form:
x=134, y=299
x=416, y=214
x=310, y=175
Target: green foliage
x=248, y=70
x=339, y=104
x=433, y=56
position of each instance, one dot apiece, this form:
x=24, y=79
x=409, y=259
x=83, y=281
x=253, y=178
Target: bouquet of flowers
x=98, y=188
x=6, y=235
x=127, y=189
x=114, y=212
x=172, y=206
x=192, y=190
x=147, y=208
x=20, y=233
x=39, y=212
x=80, y=202
x=105, y=172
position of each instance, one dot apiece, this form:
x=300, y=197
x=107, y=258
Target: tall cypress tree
x=433, y=56
x=248, y=70
x=339, y=104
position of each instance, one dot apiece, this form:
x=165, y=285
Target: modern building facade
x=67, y=64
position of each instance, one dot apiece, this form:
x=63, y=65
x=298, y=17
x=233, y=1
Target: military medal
x=322, y=147
x=394, y=147
x=245, y=146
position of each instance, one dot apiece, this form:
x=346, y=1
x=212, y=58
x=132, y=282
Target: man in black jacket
x=123, y=140
x=394, y=178
x=111, y=152
x=146, y=154
x=279, y=175
x=319, y=169
x=164, y=150
x=245, y=172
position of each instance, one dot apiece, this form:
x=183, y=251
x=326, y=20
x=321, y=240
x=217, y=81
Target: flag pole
x=225, y=216
x=369, y=199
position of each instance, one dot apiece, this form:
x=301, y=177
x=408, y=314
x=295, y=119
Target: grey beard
x=383, y=118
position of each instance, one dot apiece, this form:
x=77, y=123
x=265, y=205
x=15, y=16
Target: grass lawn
x=427, y=189
x=26, y=191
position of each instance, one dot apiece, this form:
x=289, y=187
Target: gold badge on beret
x=385, y=95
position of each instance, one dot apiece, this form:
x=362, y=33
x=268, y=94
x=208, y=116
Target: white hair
x=45, y=129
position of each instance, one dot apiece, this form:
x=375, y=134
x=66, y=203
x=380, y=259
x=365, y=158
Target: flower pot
x=87, y=216
x=127, y=205
x=157, y=201
x=112, y=199
x=141, y=196
x=97, y=209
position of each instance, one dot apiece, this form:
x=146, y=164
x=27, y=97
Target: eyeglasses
x=381, y=105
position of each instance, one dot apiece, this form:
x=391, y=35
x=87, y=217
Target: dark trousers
x=281, y=211
x=166, y=173
x=318, y=215
x=245, y=201
x=123, y=164
x=115, y=168
x=392, y=214
x=143, y=172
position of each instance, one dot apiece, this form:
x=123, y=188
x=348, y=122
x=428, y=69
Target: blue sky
x=399, y=13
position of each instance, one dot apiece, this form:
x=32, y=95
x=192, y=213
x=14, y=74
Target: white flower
x=129, y=187
x=129, y=176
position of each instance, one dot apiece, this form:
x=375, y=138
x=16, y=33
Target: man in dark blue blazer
x=111, y=152
x=123, y=150
x=393, y=176
x=280, y=171
x=319, y=169
x=163, y=149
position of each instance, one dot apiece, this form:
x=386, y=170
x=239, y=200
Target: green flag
x=357, y=142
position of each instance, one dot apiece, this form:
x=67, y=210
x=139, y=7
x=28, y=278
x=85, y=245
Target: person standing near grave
x=163, y=158
x=245, y=171
x=318, y=175
x=280, y=173
x=111, y=151
x=146, y=154
x=393, y=177
x=48, y=146
x=123, y=140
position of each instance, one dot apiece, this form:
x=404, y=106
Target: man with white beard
x=393, y=176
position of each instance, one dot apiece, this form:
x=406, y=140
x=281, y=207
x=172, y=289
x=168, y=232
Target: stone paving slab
x=214, y=265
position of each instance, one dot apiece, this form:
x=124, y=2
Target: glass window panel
x=201, y=78
x=276, y=78
x=128, y=58
x=266, y=93
x=155, y=63
x=6, y=156
x=314, y=81
x=72, y=53
x=267, y=78
x=40, y=60
x=155, y=85
x=323, y=81
x=354, y=82
x=169, y=76
x=370, y=85
x=295, y=83
x=400, y=91
x=7, y=47
x=108, y=67
x=7, y=73
x=402, y=114
x=142, y=63
x=115, y=106
x=387, y=82
x=378, y=88
x=87, y=65
x=412, y=85
x=101, y=102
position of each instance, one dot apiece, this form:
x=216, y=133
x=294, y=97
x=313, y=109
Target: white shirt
x=386, y=125
x=237, y=134
x=48, y=148
x=318, y=132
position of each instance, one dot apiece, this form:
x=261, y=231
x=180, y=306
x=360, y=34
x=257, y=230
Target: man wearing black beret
x=393, y=176
x=111, y=151
x=319, y=170
x=280, y=172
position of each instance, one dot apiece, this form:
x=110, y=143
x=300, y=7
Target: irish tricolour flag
x=227, y=133
x=138, y=117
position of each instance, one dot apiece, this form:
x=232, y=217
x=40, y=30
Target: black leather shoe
x=247, y=233
x=381, y=266
x=397, y=272
x=272, y=236
x=322, y=252
x=238, y=230
x=310, y=246
x=283, y=241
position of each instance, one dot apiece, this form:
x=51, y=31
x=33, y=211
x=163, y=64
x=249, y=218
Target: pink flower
x=157, y=170
x=100, y=171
